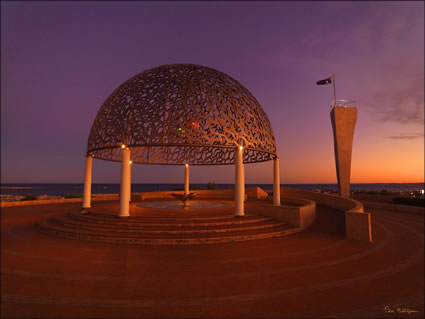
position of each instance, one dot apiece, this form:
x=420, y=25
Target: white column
x=129, y=181
x=186, y=179
x=125, y=183
x=239, y=182
x=276, y=182
x=87, y=182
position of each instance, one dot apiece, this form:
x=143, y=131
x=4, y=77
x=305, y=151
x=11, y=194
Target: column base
x=239, y=213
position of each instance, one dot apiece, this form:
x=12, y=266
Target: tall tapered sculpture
x=343, y=122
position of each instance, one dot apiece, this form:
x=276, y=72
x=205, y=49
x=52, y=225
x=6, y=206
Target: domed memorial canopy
x=182, y=113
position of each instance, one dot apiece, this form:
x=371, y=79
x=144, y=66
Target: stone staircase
x=167, y=230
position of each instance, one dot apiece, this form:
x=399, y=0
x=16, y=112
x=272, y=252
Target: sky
x=61, y=60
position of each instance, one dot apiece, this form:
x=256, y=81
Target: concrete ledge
x=56, y=201
x=301, y=216
x=256, y=193
x=251, y=192
x=41, y=202
x=358, y=226
x=334, y=201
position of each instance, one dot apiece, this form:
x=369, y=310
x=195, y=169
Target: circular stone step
x=179, y=221
x=179, y=205
x=165, y=230
x=161, y=229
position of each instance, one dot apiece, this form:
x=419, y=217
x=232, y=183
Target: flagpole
x=334, y=89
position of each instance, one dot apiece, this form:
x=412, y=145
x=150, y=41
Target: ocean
x=61, y=189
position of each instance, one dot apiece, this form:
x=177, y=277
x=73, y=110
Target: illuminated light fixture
x=131, y=162
x=240, y=148
x=123, y=146
x=187, y=165
x=422, y=191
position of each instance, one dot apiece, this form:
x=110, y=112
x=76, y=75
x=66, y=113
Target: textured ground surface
x=315, y=273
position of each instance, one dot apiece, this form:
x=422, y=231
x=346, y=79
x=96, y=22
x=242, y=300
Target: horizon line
x=335, y=183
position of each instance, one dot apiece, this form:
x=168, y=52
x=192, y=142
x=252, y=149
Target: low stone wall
x=357, y=222
x=40, y=202
x=251, y=192
x=334, y=201
x=58, y=201
x=202, y=194
x=256, y=193
x=301, y=215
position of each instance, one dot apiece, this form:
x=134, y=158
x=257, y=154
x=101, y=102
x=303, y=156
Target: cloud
x=375, y=50
x=406, y=137
x=399, y=102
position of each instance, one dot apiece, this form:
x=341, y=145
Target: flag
x=325, y=81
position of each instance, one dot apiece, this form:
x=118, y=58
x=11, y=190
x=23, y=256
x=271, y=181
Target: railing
x=344, y=103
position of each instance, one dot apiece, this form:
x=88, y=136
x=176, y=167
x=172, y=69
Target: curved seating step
x=169, y=223
x=160, y=216
x=185, y=229
x=107, y=218
x=168, y=229
x=168, y=240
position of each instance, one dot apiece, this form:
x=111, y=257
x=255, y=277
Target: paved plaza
x=314, y=273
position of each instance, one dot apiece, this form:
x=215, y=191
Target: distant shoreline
x=113, y=183
x=18, y=187
x=62, y=189
x=383, y=197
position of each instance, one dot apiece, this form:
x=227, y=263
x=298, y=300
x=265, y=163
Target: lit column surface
x=87, y=183
x=125, y=184
x=129, y=182
x=239, y=183
x=276, y=182
x=186, y=179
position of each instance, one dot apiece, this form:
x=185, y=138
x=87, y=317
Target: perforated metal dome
x=182, y=113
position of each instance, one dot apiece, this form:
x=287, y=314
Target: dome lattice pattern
x=182, y=113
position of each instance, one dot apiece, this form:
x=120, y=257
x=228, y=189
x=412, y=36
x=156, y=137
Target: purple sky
x=61, y=60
